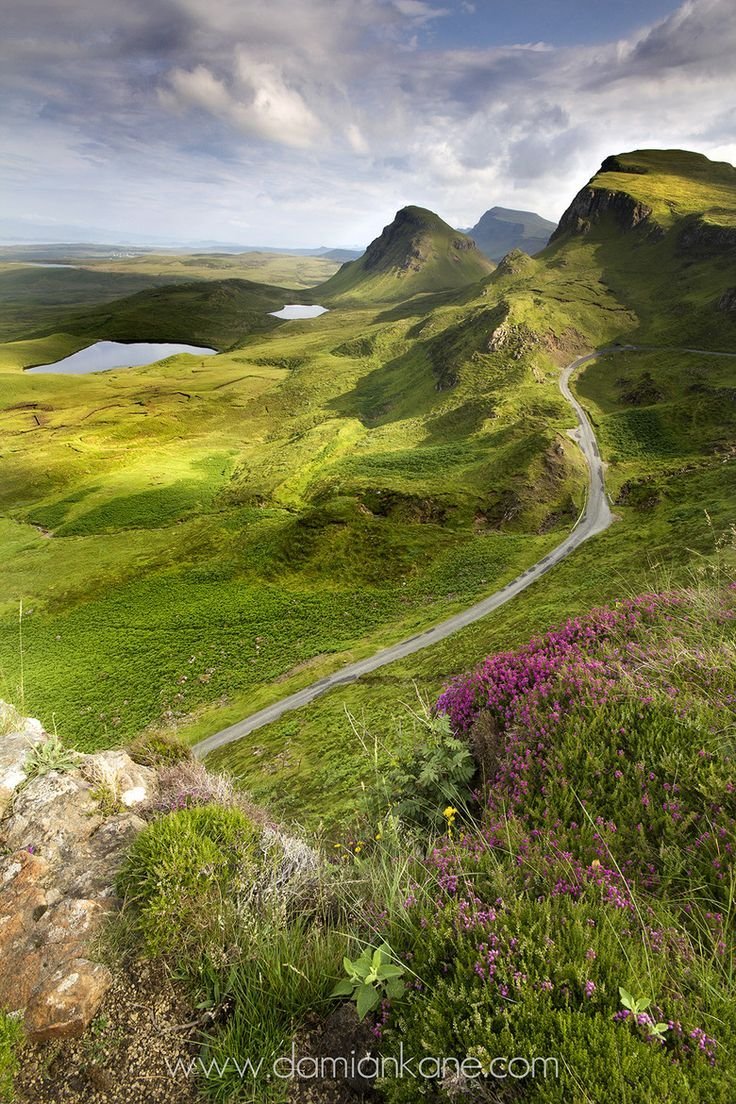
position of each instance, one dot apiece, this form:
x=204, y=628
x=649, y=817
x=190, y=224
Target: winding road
x=595, y=517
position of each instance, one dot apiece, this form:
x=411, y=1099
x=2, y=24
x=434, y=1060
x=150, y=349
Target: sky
x=310, y=122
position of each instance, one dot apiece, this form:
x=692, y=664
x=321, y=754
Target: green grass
x=526, y=926
x=31, y=298
x=189, y=538
x=283, y=269
x=11, y=1039
x=195, y=530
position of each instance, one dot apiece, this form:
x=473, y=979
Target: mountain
x=658, y=229
x=501, y=229
x=341, y=254
x=417, y=252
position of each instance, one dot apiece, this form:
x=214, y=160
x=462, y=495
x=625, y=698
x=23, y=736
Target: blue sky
x=307, y=122
x=557, y=22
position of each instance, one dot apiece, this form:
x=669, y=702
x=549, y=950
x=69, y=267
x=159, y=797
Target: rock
x=53, y=814
x=700, y=235
x=14, y=748
x=66, y=833
x=128, y=782
x=72, y=919
x=592, y=204
x=67, y=1000
x=727, y=302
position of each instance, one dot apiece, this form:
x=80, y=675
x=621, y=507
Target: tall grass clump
x=11, y=1039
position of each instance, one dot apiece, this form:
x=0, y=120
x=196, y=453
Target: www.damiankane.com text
x=307, y=1067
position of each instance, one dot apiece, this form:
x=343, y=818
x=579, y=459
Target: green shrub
x=158, y=749
x=185, y=875
x=11, y=1038
x=426, y=778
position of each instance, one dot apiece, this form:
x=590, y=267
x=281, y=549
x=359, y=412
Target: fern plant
x=427, y=774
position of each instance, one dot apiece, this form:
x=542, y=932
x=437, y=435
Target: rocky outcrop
x=615, y=164
x=514, y=263
x=21, y=734
x=64, y=836
x=727, y=302
x=513, y=338
x=591, y=205
x=700, y=235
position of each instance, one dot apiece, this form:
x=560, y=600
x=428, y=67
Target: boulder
x=67, y=1000
x=23, y=733
x=128, y=782
x=65, y=834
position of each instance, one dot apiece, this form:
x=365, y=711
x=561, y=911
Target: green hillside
x=213, y=312
x=189, y=538
x=417, y=252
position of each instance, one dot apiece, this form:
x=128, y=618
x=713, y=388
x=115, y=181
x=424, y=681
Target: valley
x=187, y=539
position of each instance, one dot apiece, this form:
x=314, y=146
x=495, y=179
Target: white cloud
x=312, y=120
x=263, y=105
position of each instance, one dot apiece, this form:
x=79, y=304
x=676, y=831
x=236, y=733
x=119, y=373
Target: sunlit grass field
x=192, y=540
x=193, y=531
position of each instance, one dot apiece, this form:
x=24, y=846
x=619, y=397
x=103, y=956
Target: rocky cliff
x=591, y=205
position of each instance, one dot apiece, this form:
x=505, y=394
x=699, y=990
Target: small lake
x=295, y=310
x=105, y=355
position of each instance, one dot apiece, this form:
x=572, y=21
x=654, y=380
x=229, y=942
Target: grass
x=283, y=269
x=211, y=521
x=11, y=1039
x=189, y=538
x=586, y=878
x=32, y=298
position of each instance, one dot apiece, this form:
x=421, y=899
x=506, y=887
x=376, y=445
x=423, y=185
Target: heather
x=545, y=857
x=595, y=865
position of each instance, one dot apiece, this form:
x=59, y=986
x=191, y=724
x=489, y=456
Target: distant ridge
x=502, y=229
x=417, y=252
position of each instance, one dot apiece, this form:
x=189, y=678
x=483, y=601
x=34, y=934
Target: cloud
x=313, y=120
x=262, y=105
x=418, y=11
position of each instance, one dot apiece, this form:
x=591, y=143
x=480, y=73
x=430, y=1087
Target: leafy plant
x=428, y=772
x=372, y=977
x=50, y=755
x=638, y=1009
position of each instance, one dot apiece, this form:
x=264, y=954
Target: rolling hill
x=197, y=533
x=415, y=253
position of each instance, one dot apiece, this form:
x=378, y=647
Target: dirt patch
x=145, y=1026
x=305, y=665
x=340, y=1037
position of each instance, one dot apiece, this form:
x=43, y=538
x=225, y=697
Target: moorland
x=522, y=835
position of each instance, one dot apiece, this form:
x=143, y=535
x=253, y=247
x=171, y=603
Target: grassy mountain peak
x=657, y=188
x=417, y=252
